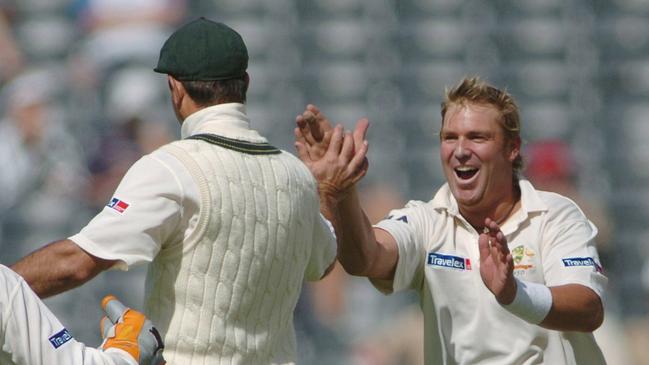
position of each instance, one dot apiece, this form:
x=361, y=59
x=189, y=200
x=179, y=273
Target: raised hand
x=336, y=158
x=314, y=131
x=341, y=166
x=496, y=263
x=313, y=134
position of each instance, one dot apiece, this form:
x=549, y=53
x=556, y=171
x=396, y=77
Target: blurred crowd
x=79, y=104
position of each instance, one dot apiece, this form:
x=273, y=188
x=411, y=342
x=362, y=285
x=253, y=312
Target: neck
x=499, y=212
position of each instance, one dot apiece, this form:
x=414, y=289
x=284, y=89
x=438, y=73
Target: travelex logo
x=453, y=262
x=582, y=261
x=60, y=338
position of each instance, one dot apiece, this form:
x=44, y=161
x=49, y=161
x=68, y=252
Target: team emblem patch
x=118, y=205
x=449, y=261
x=59, y=339
x=522, y=257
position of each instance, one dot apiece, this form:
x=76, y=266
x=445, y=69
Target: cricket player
x=230, y=224
x=31, y=335
x=507, y=274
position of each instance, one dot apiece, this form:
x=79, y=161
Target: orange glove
x=129, y=330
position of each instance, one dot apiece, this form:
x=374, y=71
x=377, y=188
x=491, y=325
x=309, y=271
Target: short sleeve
x=144, y=212
x=323, y=252
x=404, y=226
x=570, y=255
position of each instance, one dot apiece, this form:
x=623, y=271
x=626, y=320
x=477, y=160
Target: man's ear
x=515, y=150
x=176, y=89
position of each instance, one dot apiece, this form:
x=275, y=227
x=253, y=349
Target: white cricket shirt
x=231, y=231
x=552, y=243
x=157, y=202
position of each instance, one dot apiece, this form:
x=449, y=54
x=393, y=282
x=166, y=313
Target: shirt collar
x=530, y=202
x=228, y=120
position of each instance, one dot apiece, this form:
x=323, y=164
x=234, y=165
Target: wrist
x=509, y=293
x=531, y=303
x=331, y=193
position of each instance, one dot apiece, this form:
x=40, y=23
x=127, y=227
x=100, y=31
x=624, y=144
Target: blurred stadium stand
x=579, y=70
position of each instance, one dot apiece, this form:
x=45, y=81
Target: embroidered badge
x=118, y=205
x=522, y=257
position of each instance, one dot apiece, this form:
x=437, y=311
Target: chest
x=452, y=259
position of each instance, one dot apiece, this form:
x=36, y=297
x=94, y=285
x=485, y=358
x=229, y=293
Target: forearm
x=353, y=233
x=58, y=267
x=574, y=308
x=359, y=252
x=570, y=307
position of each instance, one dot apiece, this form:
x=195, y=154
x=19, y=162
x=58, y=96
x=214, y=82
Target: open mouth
x=465, y=172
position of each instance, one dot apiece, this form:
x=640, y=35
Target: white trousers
x=30, y=334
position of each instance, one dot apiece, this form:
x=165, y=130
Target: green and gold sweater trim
x=238, y=145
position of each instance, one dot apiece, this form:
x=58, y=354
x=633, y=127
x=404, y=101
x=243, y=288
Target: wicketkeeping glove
x=129, y=330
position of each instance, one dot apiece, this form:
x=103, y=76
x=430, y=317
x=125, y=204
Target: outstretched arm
x=32, y=335
x=338, y=161
x=58, y=267
x=570, y=307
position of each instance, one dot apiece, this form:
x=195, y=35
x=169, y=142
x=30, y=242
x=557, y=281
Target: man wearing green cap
x=230, y=224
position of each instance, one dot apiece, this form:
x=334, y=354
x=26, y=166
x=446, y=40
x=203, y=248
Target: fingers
x=305, y=134
x=337, y=139
x=359, y=163
x=301, y=148
x=298, y=131
x=347, y=150
x=315, y=127
x=314, y=109
x=317, y=131
x=493, y=229
x=360, y=131
x=484, y=246
x=347, y=153
x=492, y=241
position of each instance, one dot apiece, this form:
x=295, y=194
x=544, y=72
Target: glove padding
x=130, y=331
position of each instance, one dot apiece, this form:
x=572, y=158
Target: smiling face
x=476, y=158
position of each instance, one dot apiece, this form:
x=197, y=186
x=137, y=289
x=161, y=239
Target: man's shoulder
x=417, y=209
x=419, y=204
x=561, y=207
x=541, y=200
x=555, y=200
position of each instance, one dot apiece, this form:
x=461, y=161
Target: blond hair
x=475, y=91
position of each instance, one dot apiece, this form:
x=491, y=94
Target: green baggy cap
x=203, y=50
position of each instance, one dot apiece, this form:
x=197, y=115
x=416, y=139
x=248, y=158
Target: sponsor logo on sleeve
x=60, y=338
x=118, y=205
x=582, y=261
x=452, y=262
